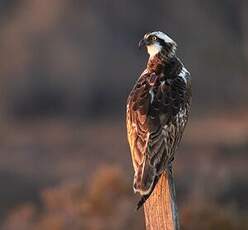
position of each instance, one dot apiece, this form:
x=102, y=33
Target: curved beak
x=142, y=43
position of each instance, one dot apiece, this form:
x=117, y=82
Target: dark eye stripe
x=161, y=42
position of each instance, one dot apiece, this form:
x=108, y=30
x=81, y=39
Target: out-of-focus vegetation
x=66, y=68
x=104, y=203
x=58, y=174
x=107, y=203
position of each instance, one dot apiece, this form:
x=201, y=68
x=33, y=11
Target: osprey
x=157, y=112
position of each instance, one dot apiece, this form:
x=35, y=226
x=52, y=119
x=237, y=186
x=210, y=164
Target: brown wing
x=137, y=110
x=157, y=113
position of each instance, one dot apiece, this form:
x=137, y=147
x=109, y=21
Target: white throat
x=154, y=49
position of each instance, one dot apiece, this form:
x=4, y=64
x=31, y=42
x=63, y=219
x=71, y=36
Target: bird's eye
x=154, y=38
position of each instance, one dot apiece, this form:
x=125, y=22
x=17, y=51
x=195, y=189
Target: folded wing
x=157, y=113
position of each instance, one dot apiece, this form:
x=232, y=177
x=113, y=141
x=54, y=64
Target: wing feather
x=156, y=116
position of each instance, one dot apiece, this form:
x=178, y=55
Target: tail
x=144, y=177
x=145, y=197
x=155, y=181
x=145, y=180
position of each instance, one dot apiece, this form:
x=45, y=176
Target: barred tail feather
x=144, y=178
x=145, y=197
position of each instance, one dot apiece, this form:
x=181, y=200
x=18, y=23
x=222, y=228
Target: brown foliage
x=104, y=203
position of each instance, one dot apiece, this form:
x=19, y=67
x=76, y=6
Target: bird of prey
x=157, y=112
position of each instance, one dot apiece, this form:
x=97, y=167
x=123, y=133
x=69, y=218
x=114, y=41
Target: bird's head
x=156, y=42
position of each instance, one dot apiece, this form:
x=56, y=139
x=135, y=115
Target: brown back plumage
x=157, y=112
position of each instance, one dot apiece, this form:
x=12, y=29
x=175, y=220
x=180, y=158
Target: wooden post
x=160, y=208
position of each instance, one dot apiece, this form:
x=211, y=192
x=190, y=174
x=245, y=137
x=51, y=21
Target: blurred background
x=66, y=68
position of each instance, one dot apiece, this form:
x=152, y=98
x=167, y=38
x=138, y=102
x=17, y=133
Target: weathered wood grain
x=160, y=209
